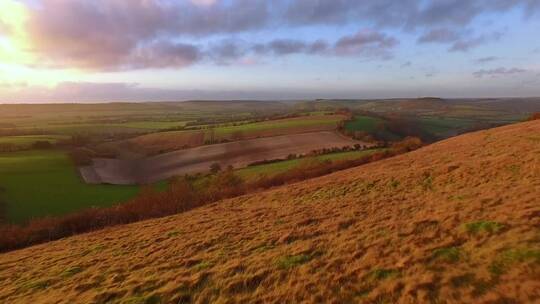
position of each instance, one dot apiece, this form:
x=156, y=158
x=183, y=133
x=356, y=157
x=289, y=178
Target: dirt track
x=238, y=154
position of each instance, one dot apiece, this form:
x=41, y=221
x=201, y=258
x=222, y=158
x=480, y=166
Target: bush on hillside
x=407, y=144
x=534, y=116
x=42, y=144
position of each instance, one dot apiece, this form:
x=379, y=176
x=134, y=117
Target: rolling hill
x=456, y=221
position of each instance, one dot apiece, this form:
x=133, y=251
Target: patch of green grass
x=45, y=183
x=153, y=299
x=484, y=226
x=448, y=254
x=292, y=261
x=363, y=123
x=443, y=126
x=512, y=256
x=514, y=169
x=71, y=271
x=35, y=285
x=202, y=265
x=263, y=247
x=394, y=183
x=174, y=233
x=280, y=126
x=427, y=182
x=464, y=280
x=380, y=274
x=28, y=140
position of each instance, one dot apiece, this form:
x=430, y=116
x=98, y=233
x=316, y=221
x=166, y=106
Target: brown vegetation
x=453, y=222
x=534, y=116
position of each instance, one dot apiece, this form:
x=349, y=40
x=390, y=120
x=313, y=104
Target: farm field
x=125, y=118
x=25, y=141
x=409, y=229
x=161, y=142
x=364, y=123
x=44, y=183
x=237, y=154
x=272, y=169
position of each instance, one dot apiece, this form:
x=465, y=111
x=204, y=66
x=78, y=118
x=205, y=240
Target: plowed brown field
x=194, y=160
x=454, y=222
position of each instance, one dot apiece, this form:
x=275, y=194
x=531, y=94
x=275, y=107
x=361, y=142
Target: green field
x=40, y=183
x=363, y=123
x=322, y=121
x=28, y=140
x=272, y=169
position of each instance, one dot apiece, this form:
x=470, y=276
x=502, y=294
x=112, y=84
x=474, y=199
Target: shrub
x=407, y=144
x=215, y=168
x=534, y=116
x=41, y=144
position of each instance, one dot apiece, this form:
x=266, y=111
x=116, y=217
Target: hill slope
x=457, y=221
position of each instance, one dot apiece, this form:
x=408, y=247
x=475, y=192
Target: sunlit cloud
x=44, y=43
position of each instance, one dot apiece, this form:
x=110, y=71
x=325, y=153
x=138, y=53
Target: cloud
x=460, y=40
x=163, y=54
x=114, y=34
x=464, y=45
x=498, y=72
x=106, y=35
x=487, y=59
x=282, y=47
x=406, y=64
x=365, y=43
x=370, y=43
x=439, y=35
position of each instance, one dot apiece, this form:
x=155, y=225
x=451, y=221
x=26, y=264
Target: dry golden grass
x=454, y=222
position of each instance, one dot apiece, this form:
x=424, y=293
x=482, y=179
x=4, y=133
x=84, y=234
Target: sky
x=165, y=50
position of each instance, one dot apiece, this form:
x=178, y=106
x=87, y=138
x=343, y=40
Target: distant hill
x=456, y=221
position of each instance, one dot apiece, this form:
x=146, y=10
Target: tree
x=215, y=168
x=534, y=116
x=42, y=144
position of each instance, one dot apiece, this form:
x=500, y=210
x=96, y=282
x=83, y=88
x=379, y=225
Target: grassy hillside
x=44, y=182
x=456, y=221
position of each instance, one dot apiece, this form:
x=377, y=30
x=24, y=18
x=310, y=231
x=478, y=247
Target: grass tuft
x=202, y=265
x=71, y=271
x=448, y=254
x=292, y=261
x=153, y=299
x=383, y=274
x=427, y=182
x=484, y=226
x=35, y=285
x=510, y=257
x=174, y=233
